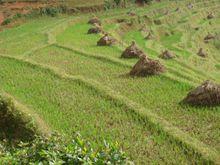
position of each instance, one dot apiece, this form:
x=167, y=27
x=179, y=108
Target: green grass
x=68, y=105
x=155, y=93
x=61, y=103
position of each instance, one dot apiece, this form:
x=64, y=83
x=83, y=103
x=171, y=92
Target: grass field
x=52, y=66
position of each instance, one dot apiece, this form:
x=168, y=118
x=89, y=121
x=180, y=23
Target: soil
x=1, y=18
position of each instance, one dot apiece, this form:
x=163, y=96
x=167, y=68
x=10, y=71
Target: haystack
x=210, y=16
x=121, y=20
x=95, y=20
x=131, y=13
x=106, y=41
x=132, y=51
x=177, y=9
x=149, y=36
x=167, y=55
x=208, y=94
x=147, y=67
x=157, y=22
x=190, y=6
x=208, y=38
x=201, y=53
x=95, y=30
x=196, y=28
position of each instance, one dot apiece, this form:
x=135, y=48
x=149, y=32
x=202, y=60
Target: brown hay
x=147, y=67
x=167, y=55
x=207, y=94
x=106, y=41
x=94, y=21
x=201, y=53
x=132, y=51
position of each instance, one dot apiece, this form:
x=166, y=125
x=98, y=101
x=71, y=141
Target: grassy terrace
x=58, y=72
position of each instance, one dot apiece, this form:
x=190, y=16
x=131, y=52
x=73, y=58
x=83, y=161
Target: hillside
x=55, y=69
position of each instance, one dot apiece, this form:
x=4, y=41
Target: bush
x=50, y=11
x=13, y=124
x=55, y=150
x=7, y=21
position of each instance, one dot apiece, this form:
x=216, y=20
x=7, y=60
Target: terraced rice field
x=53, y=67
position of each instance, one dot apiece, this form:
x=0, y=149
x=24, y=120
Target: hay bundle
x=201, y=53
x=208, y=94
x=95, y=20
x=106, y=41
x=147, y=67
x=120, y=20
x=208, y=38
x=149, y=36
x=190, y=6
x=157, y=22
x=167, y=55
x=132, y=51
x=131, y=13
x=95, y=30
x=210, y=16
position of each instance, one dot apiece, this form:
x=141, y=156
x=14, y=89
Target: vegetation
x=13, y=124
x=53, y=66
x=56, y=150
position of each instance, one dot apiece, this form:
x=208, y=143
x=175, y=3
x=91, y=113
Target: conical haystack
x=147, y=67
x=208, y=94
x=95, y=30
x=132, y=51
x=208, y=38
x=95, y=20
x=157, y=22
x=201, y=53
x=106, y=41
x=167, y=55
x=131, y=13
x=190, y=6
x=210, y=16
x=149, y=36
x=177, y=9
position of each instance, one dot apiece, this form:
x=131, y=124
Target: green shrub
x=7, y=21
x=18, y=15
x=13, y=124
x=50, y=11
x=56, y=150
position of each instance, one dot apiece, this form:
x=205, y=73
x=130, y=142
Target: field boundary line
x=174, y=134
x=168, y=75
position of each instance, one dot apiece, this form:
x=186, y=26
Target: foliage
x=7, y=21
x=13, y=125
x=67, y=105
x=50, y=11
x=55, y=150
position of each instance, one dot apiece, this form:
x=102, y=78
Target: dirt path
x=1, y=18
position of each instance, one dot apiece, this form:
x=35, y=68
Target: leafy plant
x=56, y=150
x=13, y=124
x=7, y=21
x=50, y=11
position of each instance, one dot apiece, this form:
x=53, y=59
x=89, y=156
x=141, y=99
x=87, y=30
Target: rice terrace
x=110, y=82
